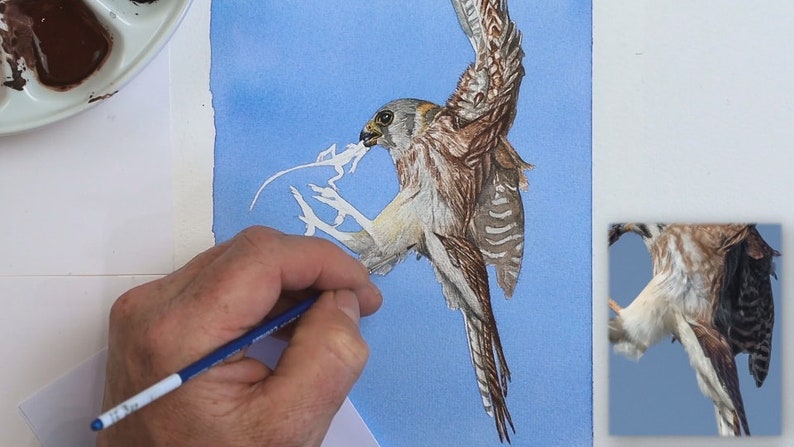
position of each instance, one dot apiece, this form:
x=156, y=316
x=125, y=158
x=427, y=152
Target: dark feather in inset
x=746, y=308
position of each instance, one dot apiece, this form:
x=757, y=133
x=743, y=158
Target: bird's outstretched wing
x=460, y=269
x=745, y=314
x=498, y=221
x=489, y=86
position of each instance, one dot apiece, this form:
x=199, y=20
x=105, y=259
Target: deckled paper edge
x=193, y=133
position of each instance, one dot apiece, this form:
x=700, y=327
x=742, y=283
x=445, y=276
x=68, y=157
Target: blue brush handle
x=217, y=356
x=238, y=344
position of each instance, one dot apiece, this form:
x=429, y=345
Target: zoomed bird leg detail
x=615, y=306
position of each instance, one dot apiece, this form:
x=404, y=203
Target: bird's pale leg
x=708, y=381
x=615, y=306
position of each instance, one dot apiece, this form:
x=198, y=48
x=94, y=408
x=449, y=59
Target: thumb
x=322, y=362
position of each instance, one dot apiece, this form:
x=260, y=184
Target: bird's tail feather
x=491, y=371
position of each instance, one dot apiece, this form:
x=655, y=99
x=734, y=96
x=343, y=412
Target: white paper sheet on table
x=60, y=413
x=92, y=195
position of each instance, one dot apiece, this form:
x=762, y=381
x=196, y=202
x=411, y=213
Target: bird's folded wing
x=712, y=358
x=461, y=271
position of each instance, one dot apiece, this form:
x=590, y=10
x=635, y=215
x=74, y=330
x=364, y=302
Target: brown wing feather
x=745, y=314
x=489, y=86
x=485, y=345
x=716, y=347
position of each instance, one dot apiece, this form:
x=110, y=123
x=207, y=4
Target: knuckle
x=258, y=235
x=347, y=346
x=158, y=343
x=324, y=244
x=126, y=307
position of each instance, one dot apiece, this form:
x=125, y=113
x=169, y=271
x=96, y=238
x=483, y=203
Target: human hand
x=160, y=327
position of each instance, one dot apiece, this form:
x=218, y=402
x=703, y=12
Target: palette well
x=45, y=78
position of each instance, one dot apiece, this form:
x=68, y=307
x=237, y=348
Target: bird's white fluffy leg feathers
x=648, y=319
x=642, y=323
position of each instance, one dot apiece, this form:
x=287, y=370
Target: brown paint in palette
x=61, y=40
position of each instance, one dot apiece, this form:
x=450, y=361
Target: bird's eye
x=384, y=118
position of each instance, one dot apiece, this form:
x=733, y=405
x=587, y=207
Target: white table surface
x=88, y=211
x=87, y=214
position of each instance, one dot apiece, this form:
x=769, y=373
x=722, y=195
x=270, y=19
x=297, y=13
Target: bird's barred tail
x=491, y=371
x=759, y=361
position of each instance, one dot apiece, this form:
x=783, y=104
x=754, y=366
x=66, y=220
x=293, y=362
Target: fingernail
x=347, y=302
x=378, y=297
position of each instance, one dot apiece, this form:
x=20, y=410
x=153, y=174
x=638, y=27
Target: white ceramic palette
x=137, y=30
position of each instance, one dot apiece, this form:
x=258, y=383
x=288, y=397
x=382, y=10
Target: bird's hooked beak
x=618, y=230
x=370, y=134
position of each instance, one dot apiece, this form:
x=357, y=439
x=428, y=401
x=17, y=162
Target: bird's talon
x=615, y=306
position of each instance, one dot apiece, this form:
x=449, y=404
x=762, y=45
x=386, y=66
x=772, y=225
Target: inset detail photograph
x=692, y=329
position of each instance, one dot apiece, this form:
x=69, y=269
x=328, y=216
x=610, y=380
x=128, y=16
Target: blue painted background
x=290, y=78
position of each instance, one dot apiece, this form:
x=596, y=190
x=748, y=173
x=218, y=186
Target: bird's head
x=648, y=232
x=395, y=124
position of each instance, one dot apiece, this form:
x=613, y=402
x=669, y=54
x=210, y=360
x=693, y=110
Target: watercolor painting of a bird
x=459, y=203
